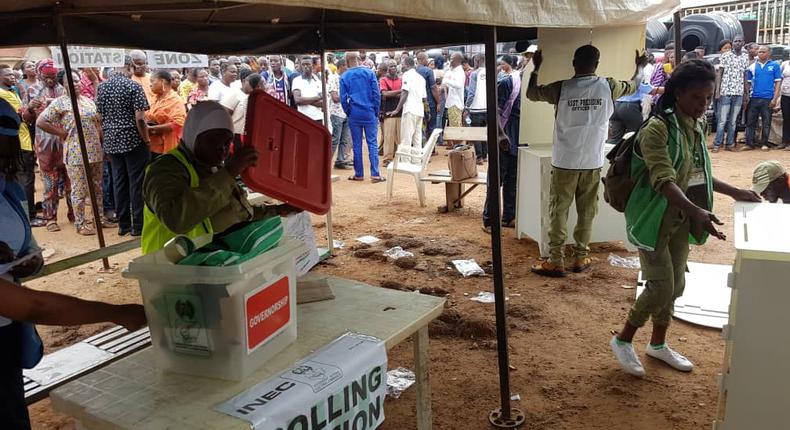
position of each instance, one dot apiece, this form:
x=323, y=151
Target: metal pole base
x=517, y=418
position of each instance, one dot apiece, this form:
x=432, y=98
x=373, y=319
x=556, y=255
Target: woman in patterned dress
x=58, y=120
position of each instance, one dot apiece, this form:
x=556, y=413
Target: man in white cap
x=771, y=182
x=190, y=191
x=526, y=60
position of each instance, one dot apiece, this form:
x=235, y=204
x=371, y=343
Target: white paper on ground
x=484, y=297
x=397, y=252
x=330, y=389
x=299, y=226
x=468, y=268
x=369, y=240
x=398, y=381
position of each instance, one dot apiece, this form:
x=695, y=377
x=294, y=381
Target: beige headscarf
x=208, y=115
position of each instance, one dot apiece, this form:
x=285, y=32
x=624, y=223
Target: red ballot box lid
x=295, y=154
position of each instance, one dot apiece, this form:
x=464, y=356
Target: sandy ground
x=559, y=329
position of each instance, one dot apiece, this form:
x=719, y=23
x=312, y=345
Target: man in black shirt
x=122, y=105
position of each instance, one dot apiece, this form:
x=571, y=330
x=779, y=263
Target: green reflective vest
x=646, y=207
x=155, y=234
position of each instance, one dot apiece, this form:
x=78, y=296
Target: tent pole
x=330, y=237
x=505, y=416
x=676, y=30
x=80, y=134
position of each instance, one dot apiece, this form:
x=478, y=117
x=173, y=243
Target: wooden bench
x=72, y=362
x=474, y=134
x=454, y=190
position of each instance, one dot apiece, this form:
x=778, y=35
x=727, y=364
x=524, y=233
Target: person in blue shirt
x=763, y=79
x=22, y=307
x=627, y=116
x=429, y=121
x=360, y=98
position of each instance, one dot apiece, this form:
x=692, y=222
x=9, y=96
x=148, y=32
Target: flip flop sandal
x=108, y=223
x=86, y=230
x=53, y=226
x=377, y=180
x=38, y=222
x=354, y=178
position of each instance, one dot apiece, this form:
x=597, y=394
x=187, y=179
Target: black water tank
x=656, y=35
x=707, y=30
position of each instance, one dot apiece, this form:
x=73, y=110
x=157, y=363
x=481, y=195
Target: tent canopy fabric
x=273, y=26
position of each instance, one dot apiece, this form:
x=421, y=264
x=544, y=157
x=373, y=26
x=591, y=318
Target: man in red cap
x=48, y=147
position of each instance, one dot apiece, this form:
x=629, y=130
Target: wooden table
x=258, y=199
x=454, y=192
x=133, y=394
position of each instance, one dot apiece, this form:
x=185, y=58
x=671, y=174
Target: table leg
x=423, y=376
x=329, y=233
x=452, y=194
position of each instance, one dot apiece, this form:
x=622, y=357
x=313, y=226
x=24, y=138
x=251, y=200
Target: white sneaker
x=671, y=357
x=627, y=357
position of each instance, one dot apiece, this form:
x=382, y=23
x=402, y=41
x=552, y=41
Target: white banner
x=340, y=386
x=170, y=60
x=89, y=56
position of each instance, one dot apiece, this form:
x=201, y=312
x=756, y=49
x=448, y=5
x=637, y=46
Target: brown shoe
x=547, y=268
x=581, y=264
x=747, y=148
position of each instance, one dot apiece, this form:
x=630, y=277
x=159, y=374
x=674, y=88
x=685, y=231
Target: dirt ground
x=559, y=330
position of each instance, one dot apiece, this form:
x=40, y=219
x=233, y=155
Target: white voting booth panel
x=532, y=204
x=754, y=389
x=706, y=298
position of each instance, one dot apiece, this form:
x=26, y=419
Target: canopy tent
x=277, y=26
x=266, y=26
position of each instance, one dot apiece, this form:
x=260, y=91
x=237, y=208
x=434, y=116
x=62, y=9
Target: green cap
x=765, y=173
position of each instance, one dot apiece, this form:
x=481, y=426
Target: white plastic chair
x=412, y=161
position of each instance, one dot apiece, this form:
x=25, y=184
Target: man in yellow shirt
x=26, y=175
x=141, y=75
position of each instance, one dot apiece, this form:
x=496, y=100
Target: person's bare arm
x=335, y=96
x=777, y=94
x=392, y=93
x=142, y=127
x=737, y=194
x=42, y=307
x=404, y=94
x=160, y=128
x=305, y=100
x=677, y=198
x=435, y=93
x=51, y=128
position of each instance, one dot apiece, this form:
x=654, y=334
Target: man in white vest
x=583, y=105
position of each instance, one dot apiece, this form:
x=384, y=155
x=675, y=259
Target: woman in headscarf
x=49, y=148
x=167, y=114
x=58, y=120
x=190, y=191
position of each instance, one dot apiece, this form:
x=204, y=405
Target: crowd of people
x=749, y=88
x=133, y=115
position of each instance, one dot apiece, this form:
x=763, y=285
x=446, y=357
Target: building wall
x=772, y=16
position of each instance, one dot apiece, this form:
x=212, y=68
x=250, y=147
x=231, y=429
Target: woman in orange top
x=166, y=116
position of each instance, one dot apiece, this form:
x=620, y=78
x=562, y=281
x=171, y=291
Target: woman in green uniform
x=190, y=191
x=670, y=207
